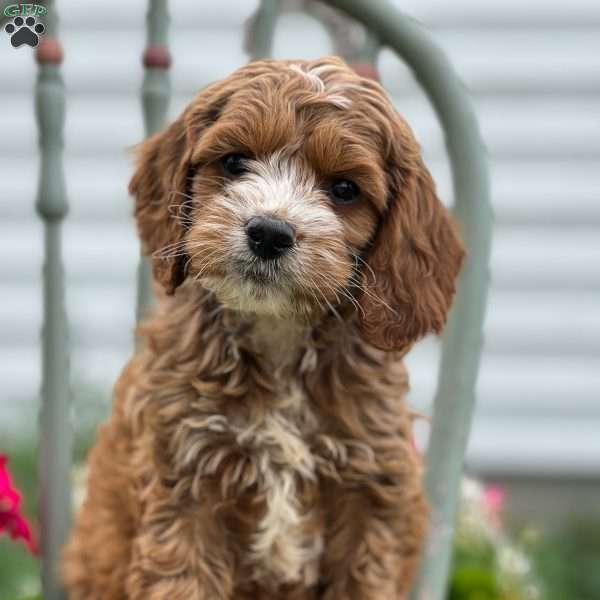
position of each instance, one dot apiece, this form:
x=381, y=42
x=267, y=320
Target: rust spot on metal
x=366, y=70
x=157, y=56
x=49, y=51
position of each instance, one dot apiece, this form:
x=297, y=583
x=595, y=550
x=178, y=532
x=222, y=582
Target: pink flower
x=12, y=520
x=493, y=499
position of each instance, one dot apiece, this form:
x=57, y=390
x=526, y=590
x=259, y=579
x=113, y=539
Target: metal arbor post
x=155, y=95
x=455, y=396
x=461, y=350
x=55, y=429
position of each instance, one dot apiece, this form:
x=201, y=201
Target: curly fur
x=259, y=446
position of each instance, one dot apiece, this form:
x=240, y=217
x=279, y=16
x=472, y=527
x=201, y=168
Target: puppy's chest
x=271, y=462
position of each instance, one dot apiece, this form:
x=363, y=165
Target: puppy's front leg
x=96, y=558
x=374, y=540
x=179, y=554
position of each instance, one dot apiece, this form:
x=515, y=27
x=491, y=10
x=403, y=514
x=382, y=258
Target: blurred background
x=534, y=71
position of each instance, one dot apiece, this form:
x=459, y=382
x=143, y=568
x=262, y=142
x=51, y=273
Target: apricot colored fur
x=259, y=445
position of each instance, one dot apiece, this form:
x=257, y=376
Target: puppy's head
x=293, y=187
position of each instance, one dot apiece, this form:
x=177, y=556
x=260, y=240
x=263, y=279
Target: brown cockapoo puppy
x=259, y=445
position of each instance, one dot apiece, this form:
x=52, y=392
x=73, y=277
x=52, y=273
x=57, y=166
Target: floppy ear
x=415, y=260
x=161, y=185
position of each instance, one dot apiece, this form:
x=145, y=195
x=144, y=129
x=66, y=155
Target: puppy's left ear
x=159, y=185
x=415, y=260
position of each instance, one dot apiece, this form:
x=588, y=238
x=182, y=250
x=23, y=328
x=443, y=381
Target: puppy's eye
x=344, y=191
x=235, y=164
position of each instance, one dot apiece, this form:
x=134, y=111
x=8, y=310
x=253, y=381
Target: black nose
x=269, y=238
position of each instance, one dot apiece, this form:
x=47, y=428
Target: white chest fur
x=282, y=547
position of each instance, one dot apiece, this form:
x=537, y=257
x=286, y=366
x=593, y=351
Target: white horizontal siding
x=534, y=69
x=523, y=258
x=536, y=445
x=436, y=13
x=530, y=193
x=522, y=63
x=519, y=325
x=559, y=129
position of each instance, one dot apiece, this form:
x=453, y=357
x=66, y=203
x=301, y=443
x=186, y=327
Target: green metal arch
x=455, y=396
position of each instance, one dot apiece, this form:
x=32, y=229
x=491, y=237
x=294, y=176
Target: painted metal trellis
x=455, y=397
x=55, y=440
x=156, y=94
x=383, y=26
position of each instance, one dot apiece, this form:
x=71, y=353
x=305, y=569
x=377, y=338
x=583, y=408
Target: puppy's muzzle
x=269, y=238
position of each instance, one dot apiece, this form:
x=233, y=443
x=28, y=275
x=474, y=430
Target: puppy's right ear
x=162, y=185
x=159, y=184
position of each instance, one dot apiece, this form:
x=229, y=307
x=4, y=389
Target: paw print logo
x=24, y=31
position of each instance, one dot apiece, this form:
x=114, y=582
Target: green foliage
x=476, y=577
x=473, y=583
x=568, y=562
x=474, y=572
